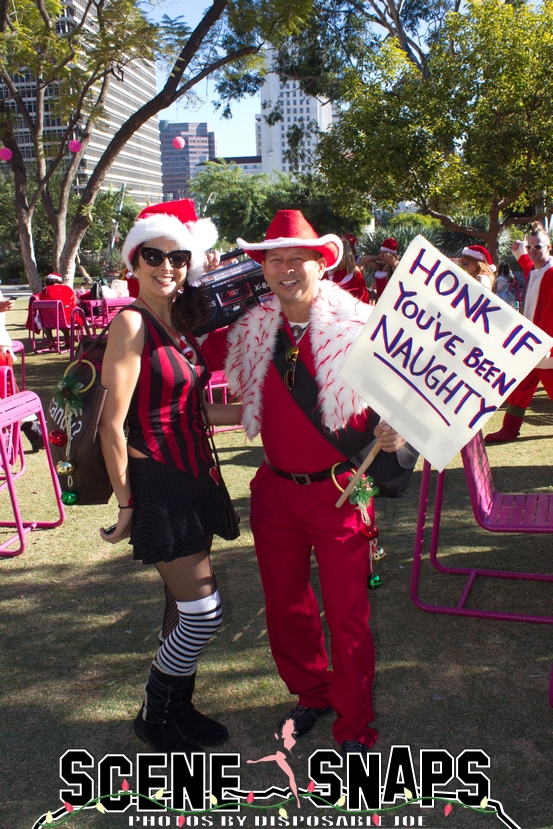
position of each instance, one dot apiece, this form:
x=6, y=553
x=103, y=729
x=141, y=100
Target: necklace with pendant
x=298, y=331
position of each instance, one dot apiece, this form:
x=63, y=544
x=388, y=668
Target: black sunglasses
x=534, y=247
x=177, y=258
x=291, y=359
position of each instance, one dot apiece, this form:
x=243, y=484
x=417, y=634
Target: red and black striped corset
x=164, y=418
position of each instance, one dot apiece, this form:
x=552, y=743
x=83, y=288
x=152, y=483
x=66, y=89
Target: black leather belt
x=313, y=477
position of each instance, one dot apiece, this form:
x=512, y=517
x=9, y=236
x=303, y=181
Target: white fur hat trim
x=197, y=237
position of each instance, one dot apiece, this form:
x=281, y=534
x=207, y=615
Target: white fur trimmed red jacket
x=336, y=321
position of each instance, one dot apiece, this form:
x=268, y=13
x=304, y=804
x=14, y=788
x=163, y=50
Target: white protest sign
x=440, y=353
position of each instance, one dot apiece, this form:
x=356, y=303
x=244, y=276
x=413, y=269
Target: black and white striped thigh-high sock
x=198, y=621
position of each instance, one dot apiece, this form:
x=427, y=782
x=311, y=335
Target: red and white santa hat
x=389, y=245
x=53, y=277
x=176, y=220
x=481, y=253
x=290, y=229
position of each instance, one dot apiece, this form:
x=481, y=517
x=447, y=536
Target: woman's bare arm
x=120, y=370
x=221, y=414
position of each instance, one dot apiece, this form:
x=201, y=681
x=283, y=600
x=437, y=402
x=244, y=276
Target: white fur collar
x=336, y=321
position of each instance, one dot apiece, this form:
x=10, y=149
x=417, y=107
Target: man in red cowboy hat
x=534, y=257
x=283, y=359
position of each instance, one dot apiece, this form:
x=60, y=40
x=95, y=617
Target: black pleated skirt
x=175, y=514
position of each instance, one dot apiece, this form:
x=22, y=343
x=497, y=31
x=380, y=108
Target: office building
x=138, y=166
x=297, y=108
x=179, y=163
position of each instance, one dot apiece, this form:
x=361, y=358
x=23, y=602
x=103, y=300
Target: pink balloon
x=75, y=146
x=178, y=142
x=5, y=154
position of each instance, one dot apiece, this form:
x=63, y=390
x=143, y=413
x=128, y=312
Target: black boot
x=196, y=725
x=155, y=723
x=31, y=430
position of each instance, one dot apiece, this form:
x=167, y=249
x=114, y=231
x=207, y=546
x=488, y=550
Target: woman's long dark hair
x=190, y=309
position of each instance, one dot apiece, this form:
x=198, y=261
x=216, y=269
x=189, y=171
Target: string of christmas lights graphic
x=64, y=814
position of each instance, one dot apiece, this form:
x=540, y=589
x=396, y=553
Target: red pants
x=287, y=520
x=524, y=392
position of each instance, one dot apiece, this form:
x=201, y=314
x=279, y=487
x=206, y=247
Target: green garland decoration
x=67, y=393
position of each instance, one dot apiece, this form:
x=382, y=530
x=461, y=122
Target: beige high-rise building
x=296, y=108
x=138, y=166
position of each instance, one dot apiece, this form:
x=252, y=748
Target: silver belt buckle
x=301, y=479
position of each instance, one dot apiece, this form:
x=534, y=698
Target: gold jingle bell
x=64, y=468
x=379, y=555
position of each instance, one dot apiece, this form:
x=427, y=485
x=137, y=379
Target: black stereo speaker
x=231, y=290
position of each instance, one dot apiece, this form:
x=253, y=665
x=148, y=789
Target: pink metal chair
x=494, y=511
x=218, y=380
x=111, y=307
x=19, y=348
x=92, y=309
x=79, y=329
x=12, y=437
x=48, y=314
x=12, y=410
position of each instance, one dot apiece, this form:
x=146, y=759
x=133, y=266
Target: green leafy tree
x=78, y=59
x=243, y=205
x=469, y=135
x=234, y=200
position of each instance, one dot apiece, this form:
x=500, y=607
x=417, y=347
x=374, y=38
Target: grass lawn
x=79, y=623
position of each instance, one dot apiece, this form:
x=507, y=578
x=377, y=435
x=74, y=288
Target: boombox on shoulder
x=231, y=290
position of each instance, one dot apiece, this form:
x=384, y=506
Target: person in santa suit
x=54, y=289
x=347, y=274
x=384, y=263
x=288, y=348
x=477, y=262
x=534, y=257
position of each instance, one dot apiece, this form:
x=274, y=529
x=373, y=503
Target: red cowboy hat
x=290, y=229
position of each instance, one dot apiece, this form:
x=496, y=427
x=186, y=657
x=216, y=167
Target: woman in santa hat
x=384, y=264
x=347, y=274
x=477, y=262
x=163, y=476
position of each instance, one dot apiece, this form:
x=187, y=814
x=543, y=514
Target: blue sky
x=235, y=136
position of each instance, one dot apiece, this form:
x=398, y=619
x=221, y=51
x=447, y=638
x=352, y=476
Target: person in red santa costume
x=279, y=353
x=54, y=289
x=477, y=262
x=534, y=257
x=384, y=263
x=347, y=274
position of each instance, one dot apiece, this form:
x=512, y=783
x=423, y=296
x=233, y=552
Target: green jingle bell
x=374, y=581
x=69, y=498
x=65, y=468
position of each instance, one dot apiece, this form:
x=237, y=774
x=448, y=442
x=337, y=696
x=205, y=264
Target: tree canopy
x=243, y=205
x=467, y=133
x=77, y=59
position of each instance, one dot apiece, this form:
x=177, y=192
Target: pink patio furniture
x=19, y=348
x=79, y=328
x=12, y=410
x=218, y=380
x=494, y=511
x=111, y=307
x=92, y=309
x=12, y=437
x=47, y=314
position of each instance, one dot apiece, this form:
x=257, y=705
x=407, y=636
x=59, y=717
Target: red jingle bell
x=57, y=438
x=370, y=532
